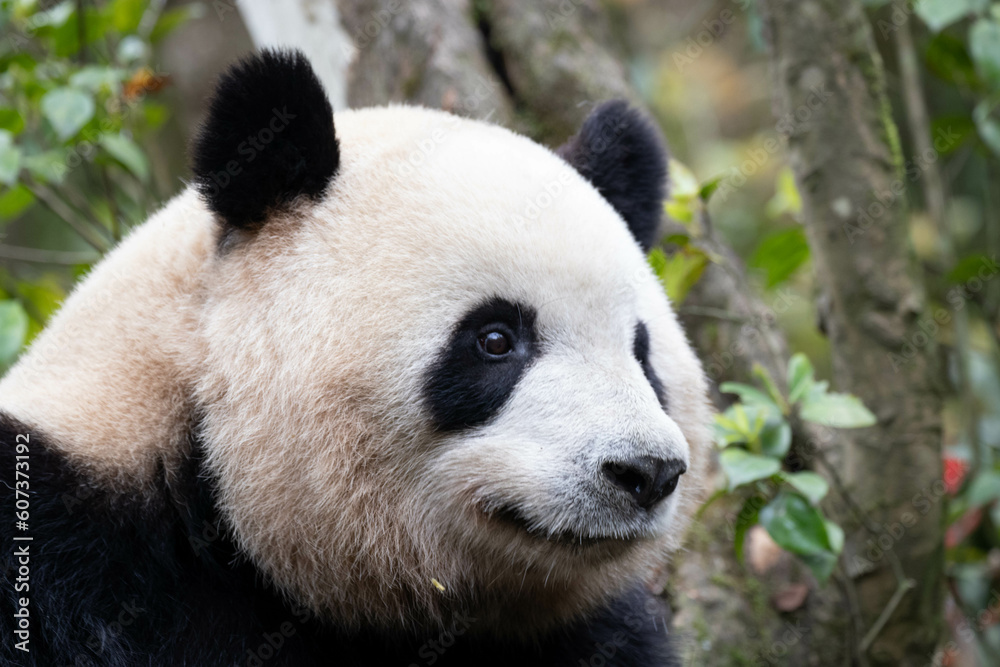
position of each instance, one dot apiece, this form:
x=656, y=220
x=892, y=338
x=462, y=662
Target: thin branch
x=920, y=128
x=150, y=18
x=81, y=31
x=706, y=311
x=67, y=257
x=71, y=217
x=883, y=618
x=116, y=227
x=851, y=593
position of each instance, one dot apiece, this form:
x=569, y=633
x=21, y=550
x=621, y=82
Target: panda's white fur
x=305, y=348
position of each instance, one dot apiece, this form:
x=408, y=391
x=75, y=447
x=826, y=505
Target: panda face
x=415, y=379
x=451, y=363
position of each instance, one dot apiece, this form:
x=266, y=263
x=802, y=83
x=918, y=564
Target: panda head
x=434, y=354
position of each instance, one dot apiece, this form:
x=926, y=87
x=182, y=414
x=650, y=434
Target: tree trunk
x=830, y=102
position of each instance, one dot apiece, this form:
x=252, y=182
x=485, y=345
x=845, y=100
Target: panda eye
x=494, y=343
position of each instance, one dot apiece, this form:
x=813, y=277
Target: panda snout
x=646, y=479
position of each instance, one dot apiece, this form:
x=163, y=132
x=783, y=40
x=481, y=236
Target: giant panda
x=395, y=390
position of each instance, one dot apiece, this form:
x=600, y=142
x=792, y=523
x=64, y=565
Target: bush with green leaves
x=73, y=104
x=755, y=438
x=964, y=50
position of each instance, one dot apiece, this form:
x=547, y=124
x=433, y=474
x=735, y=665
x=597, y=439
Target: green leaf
x=780, y=254
x=15, y=201
x=126, y=14
x=948, y=59
x=131, y=49
x=709, y=187
x=968, y=268
x=809, y=484
x=67, y=110
x=939, y=14
x=748, y=394
x=776, y=438
x=45, y=296
x=172, y=19
x=795, y=525
x=958, y=129
x=987, y=124
x=48, y=167
x=680, y=210
x=765, y=377
x=682, y=240
x=821, y=564
x=65, y=39
x=680, y=271
x=984, y=489
x=96, y=78
x=56, y=16
x=683, y=183
x=800, y=377
x=786, y=199
x=742, y=467
x=13, y=329
x=11, y=121
x=128, y=153
x=984, y=47
x=10, y=158
x=836, y=536
x=837, y=410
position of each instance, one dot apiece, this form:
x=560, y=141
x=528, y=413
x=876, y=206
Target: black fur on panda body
x=120, y=581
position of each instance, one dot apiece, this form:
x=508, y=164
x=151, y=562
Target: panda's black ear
x=268, y=139
x=620, y=152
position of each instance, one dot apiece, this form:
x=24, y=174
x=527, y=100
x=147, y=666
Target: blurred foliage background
x=98, y=100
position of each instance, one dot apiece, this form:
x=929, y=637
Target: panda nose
x=646, y=479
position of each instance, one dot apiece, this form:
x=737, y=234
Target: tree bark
x=830, y=101
x=427, y=52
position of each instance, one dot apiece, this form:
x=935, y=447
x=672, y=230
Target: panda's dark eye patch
x=476, y=372
x=640, y=348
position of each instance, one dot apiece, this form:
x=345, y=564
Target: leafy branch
x=755, y=436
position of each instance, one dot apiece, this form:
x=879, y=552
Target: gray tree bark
x=829, y=96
